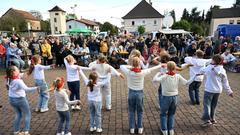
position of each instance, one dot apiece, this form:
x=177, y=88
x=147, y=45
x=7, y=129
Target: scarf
x=136, y=70
x=12, y=77
x=61, y=83
x=172, y=73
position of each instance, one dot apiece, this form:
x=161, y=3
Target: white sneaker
x=73, y=107
x=59, y=134
x=44, y=110
x=92, y=129
x=165, y=132
x=37, y=110
x=78, y=107
x=171, y=132
x=140, y=130
x=132, y=131
x=99, y=130
x=26, y=133
x=18, y=133
x=69, y=133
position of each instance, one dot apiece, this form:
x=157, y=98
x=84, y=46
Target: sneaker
x=99, y=130
x=37, y=109
x=109, y=108
x=92, y=129
x=214, y=121
x=78, y=107
x=18, y=133
x=197, y=103
x=206, y=124
x=132, y=131
x=171, y=132
x=140, y=130
x=69, y=133
x=164, y=132
x=73, y=107
x=44, y=110
x=26, y=133
x=59, y=134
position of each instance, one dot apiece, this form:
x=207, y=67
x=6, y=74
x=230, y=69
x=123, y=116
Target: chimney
x=150, y=2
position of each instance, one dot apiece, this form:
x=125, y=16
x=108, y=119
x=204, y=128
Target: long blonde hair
x=70, y=59
x=134, y=53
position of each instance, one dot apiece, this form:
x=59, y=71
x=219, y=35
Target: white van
x=170, y=32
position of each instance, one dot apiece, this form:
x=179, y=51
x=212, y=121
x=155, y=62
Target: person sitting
x=85, y=55
x=14, y=56
x=114, y=59
x=229, y=61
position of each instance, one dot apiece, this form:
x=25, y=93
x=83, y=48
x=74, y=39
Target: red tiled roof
x=85, y=21
x=24, y=14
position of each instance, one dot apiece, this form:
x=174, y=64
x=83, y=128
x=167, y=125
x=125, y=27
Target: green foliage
x=197, y=29
x=45, y=26
x=172, y=13
x=185, y=15
x=182, y=24
x=109, y=28
x=141, y=29
x=71, y=16
x=209, y=13
x=7, y=23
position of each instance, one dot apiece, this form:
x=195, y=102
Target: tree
x=195, y=16
x=203, y=15
x=182, y=24
x=36, y=14
x=172, y=13
x=237, y=4
x=45, y=26
x=209, y=13
x=71, y=16
x=141, y=29
x=13, y=20
x=197, y=29
x=113, y=30
x=185, y=15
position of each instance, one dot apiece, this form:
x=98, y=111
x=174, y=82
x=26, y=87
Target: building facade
x=224, y=16
x=57, y=20
x=143, y=15
x=82, y=23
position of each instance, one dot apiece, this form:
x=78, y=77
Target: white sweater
x=72, y=71
x=62, y=100
x=95, y=95
x=170, y=83
x=17, y=88
x=216, y=79
x=38, y=72
x=136, y=80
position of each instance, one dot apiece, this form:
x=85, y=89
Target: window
x=143, y=21
x=238, y=21
x=133, y=23
x=56, y=14
x=155, y=22
x=231, y=21
x=69, y=26
x=56, y=28
x=55, y=19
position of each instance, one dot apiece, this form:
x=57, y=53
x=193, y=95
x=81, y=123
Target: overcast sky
x=108, y=10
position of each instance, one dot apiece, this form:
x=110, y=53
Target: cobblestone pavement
x=116, y=122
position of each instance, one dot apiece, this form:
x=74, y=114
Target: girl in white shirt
x=62, y=103
x=39, y=78
x=17, y=99
x=216, y=81
x=73, y=79
x=135, y=78
x=169, y=97
x=94, y=99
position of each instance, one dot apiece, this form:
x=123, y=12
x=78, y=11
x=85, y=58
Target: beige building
x=57, y=20
x=143, y=15
x=224, y=16
x=28, y=17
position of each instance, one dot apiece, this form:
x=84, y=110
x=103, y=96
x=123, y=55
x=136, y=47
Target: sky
x=109, y=10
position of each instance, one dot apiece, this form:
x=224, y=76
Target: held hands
x=52, y=66
x=231, y=95
x=79, y=103
x=122, y=76
x=38, y=90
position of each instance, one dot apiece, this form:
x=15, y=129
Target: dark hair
x=218, y=59
x=92, y=79
x=9, y=75
x=165, y=58
x=34, y=61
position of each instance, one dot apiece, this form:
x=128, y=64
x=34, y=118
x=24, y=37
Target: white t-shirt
x=38, y=72
x=62, y=100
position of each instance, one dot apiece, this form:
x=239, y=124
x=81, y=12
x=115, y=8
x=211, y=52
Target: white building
x=224, y=16
x=82, y=23
x=143, y=14
x=57, y=20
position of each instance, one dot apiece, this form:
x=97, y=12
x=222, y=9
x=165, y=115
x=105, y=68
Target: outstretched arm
x=85, y=79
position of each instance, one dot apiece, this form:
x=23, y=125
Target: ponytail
x=92, y=80
x=90, y=85
x=34, y=61
x=9, y=75
x=57, y=84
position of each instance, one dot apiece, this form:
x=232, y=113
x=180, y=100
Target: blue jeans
x=18, y=63
x=135, y=104
x=194, y=91
x=20, y=106
x=64, y=117
x=210, y=103
x=95, y=113
x=168, y=108
x=74, y=87
x=44, y=94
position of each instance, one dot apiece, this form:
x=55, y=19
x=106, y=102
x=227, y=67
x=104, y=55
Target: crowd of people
x=102, y=57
